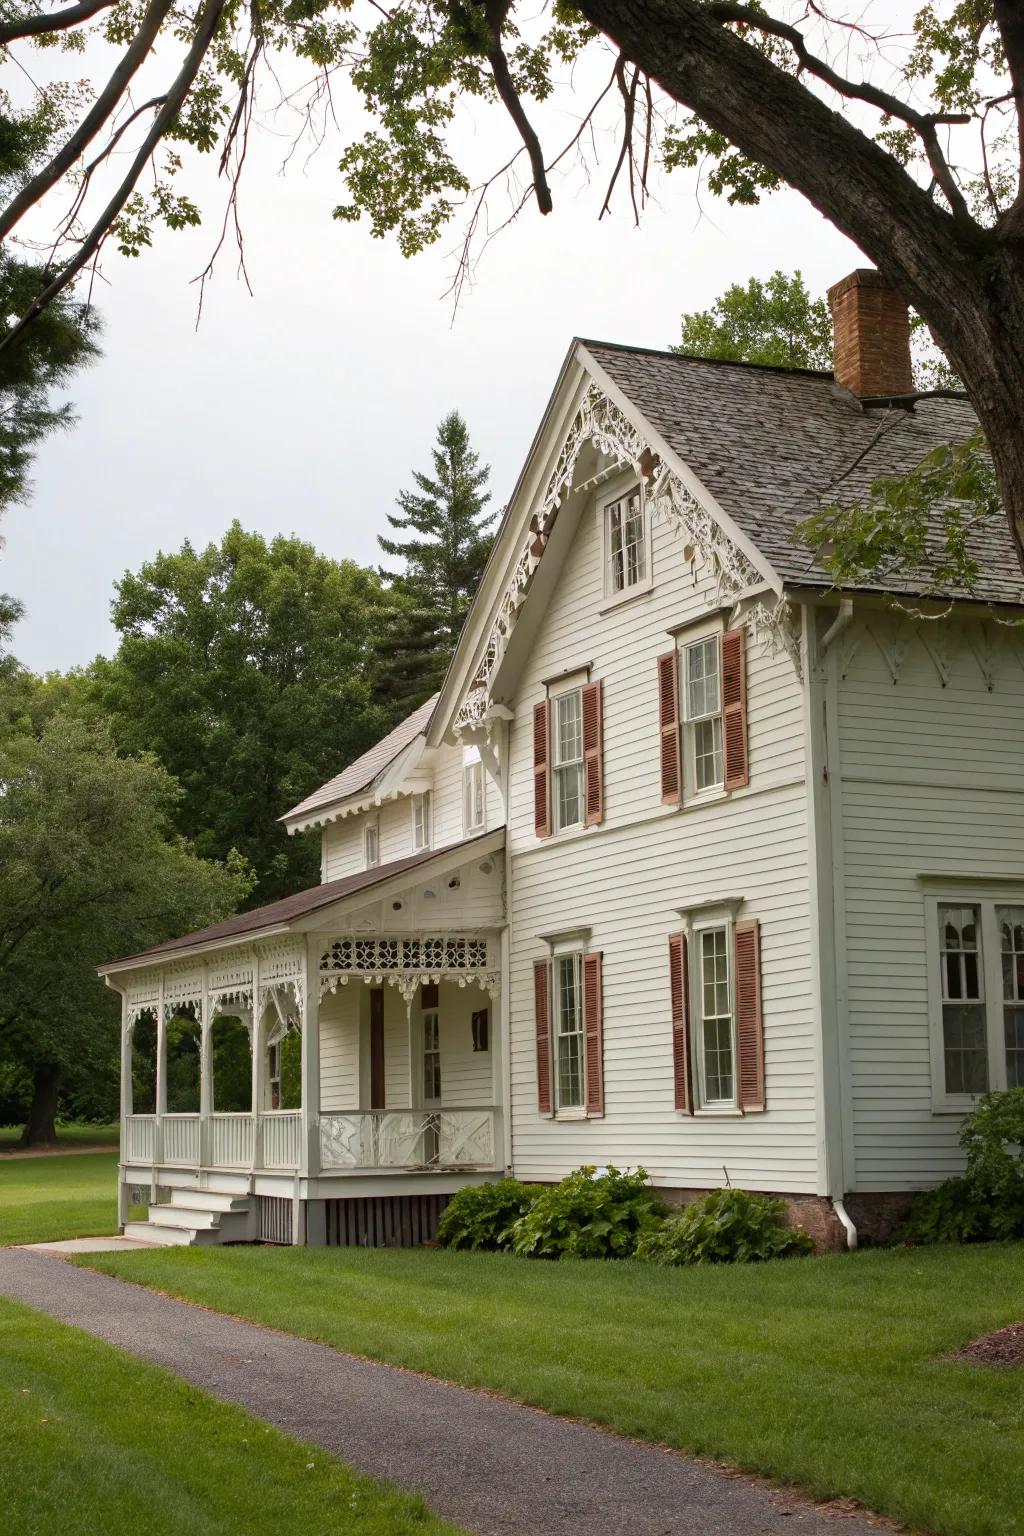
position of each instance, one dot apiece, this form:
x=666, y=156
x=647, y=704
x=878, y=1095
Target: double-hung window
x=371, y=842
x=626, y=543
x=704, y=765
x=568, y=1042
x=421, y=821
x=714, y=1043
x=568, y=759
x=474, y=807
x=976, y=944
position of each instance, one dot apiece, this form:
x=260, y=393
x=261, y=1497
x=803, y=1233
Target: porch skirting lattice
x=390, y=1221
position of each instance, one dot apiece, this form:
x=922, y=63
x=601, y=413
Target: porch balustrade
x=408, y=1138
x=280, y=1138
x=232, y=1140
x=357, y=1139
x=181, y=1139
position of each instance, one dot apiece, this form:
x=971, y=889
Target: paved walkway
x=489, y=1465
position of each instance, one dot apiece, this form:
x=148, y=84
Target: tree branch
x=205, y=28
x=101, y=109
x=56, y=21
x=496, y=11
x=769, y=115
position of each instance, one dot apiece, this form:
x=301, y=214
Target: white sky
x=305, y=408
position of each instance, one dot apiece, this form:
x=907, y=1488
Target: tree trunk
x=967, y=282
x=41, y=1129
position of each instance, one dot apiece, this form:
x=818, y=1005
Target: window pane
x=966, y=1052
x=716, y=1016
x=702, y=691
x=569, y=783
x=569, y=734
x=626, y=545
x=707, y=752
x=569, y=1037
x=959, y=946
x=1011, y=943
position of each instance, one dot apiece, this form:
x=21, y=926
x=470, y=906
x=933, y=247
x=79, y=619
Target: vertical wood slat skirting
x=388, y=1221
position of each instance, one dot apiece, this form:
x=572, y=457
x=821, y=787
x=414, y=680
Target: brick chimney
x=871, y=328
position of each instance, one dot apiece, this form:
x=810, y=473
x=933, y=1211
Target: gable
x=594, y=431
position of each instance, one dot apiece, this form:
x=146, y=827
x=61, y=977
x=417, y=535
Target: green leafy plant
x=589, y=1216
x=727, y=1226
x=482, y=1216
x=986, y=1203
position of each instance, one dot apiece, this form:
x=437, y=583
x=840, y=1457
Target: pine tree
x=444, y=558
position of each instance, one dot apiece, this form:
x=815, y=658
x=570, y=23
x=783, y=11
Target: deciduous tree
x=90, y=868
x=247, y=668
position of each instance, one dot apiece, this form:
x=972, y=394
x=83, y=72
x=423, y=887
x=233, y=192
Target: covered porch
x=322, y=1063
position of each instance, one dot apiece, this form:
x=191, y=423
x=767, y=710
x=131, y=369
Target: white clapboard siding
x=931, y=784
x=339, y=1049
x=625, y=879
x=465, y=1073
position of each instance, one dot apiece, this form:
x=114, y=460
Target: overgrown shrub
x=987, y=1202
x=589, y=1216
x=482, y=1215
x=727, y=1226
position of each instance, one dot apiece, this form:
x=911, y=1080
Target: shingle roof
x=774, y=445
x=279, y=913
x=361, y=774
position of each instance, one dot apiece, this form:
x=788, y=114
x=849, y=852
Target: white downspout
x=848, y=1226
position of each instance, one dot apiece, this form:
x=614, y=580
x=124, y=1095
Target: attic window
x=371, y=842
x=626, y=540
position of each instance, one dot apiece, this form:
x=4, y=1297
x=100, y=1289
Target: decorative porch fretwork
x=777, y=629
x=409, y=963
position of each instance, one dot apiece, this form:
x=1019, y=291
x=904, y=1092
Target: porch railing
x=232, y=1138
x=138, y=1138
x=181, y=1139
x=408, y=1138
x=280, y=1138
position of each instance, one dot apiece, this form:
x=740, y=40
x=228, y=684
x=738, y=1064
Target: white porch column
x=309, y=1154
x=126, y=1109
x=256, y=1065
x=160, y=1101
x=501, y=1057
x=205, y=1077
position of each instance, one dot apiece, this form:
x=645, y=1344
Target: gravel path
x=489, y=1465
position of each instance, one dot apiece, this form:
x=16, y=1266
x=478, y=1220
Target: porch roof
x=278, y=916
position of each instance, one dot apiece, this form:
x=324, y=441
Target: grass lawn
x=67, y=1133
x=827, y=1373
x=43, y=1199
x=94, y=1443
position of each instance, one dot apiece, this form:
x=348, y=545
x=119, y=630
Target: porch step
x=198, y=1218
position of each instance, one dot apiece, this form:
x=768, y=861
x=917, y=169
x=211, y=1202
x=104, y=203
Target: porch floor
x=494, y=1467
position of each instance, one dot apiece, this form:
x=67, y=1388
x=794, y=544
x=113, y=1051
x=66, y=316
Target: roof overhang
x=444, y=862
x=389, y=784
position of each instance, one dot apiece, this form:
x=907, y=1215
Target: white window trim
x=572, y=682
x=719, y=913
x=374, y=823
x=422, y=801
x=614, y=492
x=987, y=896
x=568, y=951
x=693, y=634
x=469, y=764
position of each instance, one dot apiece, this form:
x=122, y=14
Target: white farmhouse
x=693, y=863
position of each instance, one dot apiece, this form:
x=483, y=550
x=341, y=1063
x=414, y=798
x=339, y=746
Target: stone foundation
x=813, y=1214
x=878, y=1217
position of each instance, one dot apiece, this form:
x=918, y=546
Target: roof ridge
x=714, y=362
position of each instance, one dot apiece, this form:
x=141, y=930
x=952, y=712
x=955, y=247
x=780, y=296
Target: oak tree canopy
x=906, y=134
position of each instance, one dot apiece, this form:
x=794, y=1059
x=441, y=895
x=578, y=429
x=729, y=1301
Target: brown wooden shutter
x=541, y=770
x=679, y=984
x=668, y=717
x=593, y=1025
x=749, y=1027
x=593, y=753
x=734, y=707
x=542, y=1017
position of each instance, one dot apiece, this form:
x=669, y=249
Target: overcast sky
x=305, y=408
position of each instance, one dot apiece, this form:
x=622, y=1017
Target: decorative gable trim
x=606, y=419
